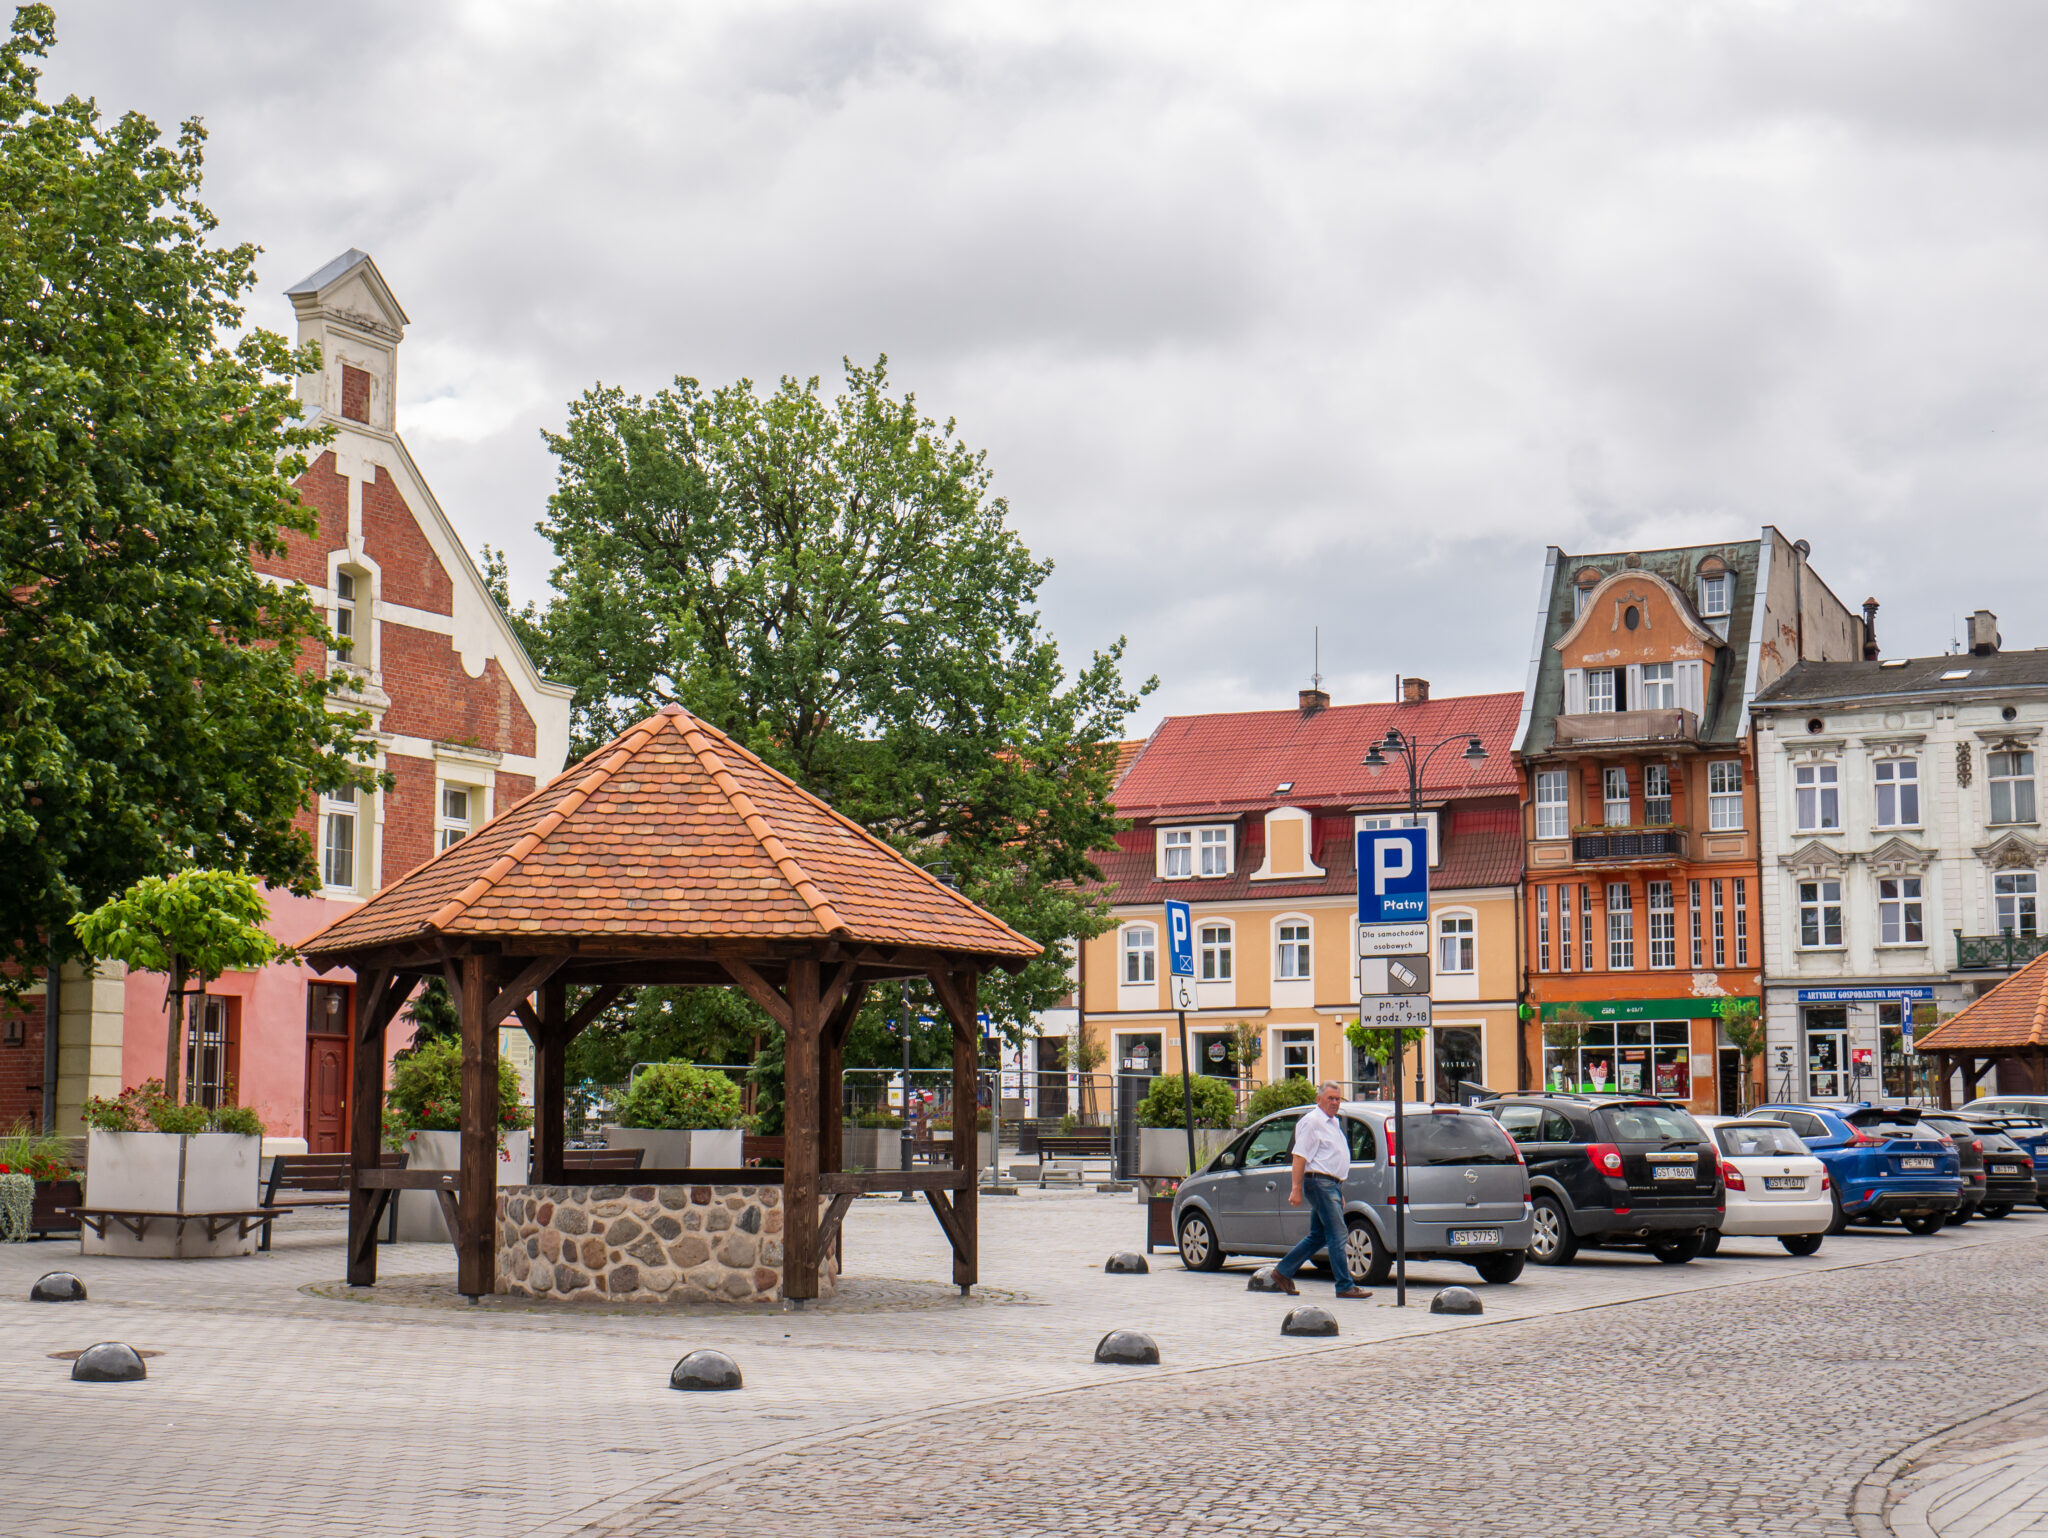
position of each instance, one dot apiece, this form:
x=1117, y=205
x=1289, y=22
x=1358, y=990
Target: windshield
x=1743, y=1141
x=1437, y=1139
x=1650, y=1124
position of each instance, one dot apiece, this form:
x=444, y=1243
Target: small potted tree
x=1162, y=1123
x=423, y=1117
x=684, y=1116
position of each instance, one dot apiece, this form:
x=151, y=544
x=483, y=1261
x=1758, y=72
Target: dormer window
x=1215, y=844
x=1177, y=852
x=455, y=809
x=1187, y=853
x=1583, y=590
x=1717, y=595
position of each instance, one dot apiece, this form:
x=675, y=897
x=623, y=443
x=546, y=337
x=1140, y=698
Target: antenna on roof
x=1316, y=677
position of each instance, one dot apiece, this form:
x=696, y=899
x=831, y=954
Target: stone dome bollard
x=1263, y=1280
x=1309, y=1320
x=1127, y=1348
x=1125, y=1263
x=109, y=1362
x=1456, y=1300
x=704, y=1372
x=57, y=1287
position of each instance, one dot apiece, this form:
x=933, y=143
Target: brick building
x=459, y=716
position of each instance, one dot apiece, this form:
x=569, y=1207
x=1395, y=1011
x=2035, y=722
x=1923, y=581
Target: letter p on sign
x=1390, y=862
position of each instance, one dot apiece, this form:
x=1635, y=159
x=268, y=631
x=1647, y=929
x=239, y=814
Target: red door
x=327, y=1017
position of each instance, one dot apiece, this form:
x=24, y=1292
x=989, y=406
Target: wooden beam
x=550, y=1082
x=800, y=1127
x=592, y=1007
x=762, y=992
x=476, y=1252
x=956, y=992
x=846, y=1003
x=828, y=1226
x=894, y=1180
x=836, y=989
x=949, y=1220
x=373, y=1010
x=531, y=976
x=529, y=1020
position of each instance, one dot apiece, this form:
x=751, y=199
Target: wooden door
x=327, y=1068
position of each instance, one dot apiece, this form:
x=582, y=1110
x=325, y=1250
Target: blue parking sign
x=1180, y=940
x=1393, y=876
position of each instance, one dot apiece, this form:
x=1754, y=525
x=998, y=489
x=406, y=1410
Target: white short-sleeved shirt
x=1320, y=1140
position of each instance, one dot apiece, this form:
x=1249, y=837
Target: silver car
x=1468, y=1194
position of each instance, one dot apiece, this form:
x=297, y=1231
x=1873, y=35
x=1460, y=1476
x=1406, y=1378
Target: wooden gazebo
x=2009, y=1023
x=670, y=856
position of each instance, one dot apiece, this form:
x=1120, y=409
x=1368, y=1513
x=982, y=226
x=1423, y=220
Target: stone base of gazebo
x=644, y=1244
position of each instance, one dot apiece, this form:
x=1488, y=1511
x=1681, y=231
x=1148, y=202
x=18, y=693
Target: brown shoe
x=1354, y=1292
x=1285, y=1284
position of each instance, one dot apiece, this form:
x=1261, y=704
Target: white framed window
x=344, y=613
x=1141, y=955
x=1741, y=921
x=1218, y=947
x=1660, y=686
x=1699, y=946
x=1720, y=922
x=1724, y=794
x=1600, y=691
x=1455, y=941
x=1294, y=1054
x=1657, y=794
x=2012, y=786
x=1717, y=597
x=1553, y=804
x=2013, y=896
x=1614, y=797
x=1898, y=911
x=1621, y=928
x=1543, y=929
x=1215, y=848
x=1564, y=929
x=1817, y=798
x=1292, y=962
x=1820, y=915
x=455, y=824
x=1663, y=925
x=1388, y=820
x=338, y=840
x=1898, y=792
x=1176, y=853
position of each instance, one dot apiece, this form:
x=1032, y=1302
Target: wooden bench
x=601, y=1161
x=319, y=1180
x=755, y=1149
x=216, y=1223
x=1061, y=1157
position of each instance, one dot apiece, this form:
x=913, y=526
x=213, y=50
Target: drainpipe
x=52, y=989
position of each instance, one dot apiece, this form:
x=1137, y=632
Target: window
x=2012, y=786
x=1614, y=797
x=1660, y=687
x=1388, y=820
x=1720, y=924
x=1543, y=929
x=1699, y=948
x=1215, y=851
x=1553, y=805
x=1297, y=1056
x=1898, y=910
x=1179, y=847
x=1827, y=1057
x=1216, y=949
x=1584, y=591
x=344, y=612
x=1273, y=1143
x=338, y=840
x=1742, y=921
x=210, y=1052
x=1600, y=690
x=2013, y=894
x=1724, y=793
x=1898, y=792
x=1894, y=1063
x=1454, y=941
x=1521, y=1122
x=454, y=824
x=1663, y=925
x=1817, y=798
x=1630, y=1057
x=1820, y=913
x=1294, y=959
x=1564, y=929
x=1717, y=599
x=1656, y=794
x=1621, y=928
x=1141, y=955
x=1586, y=928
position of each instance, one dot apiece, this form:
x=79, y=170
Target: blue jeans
x=1325, y=1200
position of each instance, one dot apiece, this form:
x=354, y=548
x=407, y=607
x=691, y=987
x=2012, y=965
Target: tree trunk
x=174, y=1036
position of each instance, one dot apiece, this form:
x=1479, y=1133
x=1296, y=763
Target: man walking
x=1322, y=1158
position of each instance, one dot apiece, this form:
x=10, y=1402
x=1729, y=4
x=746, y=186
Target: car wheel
x=1996, y=1210
x=1500, y=1269
x=1550, y=1234
x=1199, y=1250
x=1923, y=1222
x=1678, y=1249
x=1710, y=1242
x=1961, y=1216
x=1368, y=1261
x=1801, y=1244
x=1841, y=1223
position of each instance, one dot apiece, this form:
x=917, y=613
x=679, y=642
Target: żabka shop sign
x=1642, y=1009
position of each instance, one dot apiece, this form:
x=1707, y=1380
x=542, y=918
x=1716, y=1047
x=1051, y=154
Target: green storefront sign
x=1645, y=1009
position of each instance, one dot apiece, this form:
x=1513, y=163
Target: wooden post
x=476, y=1251
x=550, y=1095
x=831, y=1101
x=966, y=1132
x=365, y=1122
x=800, y=1128
x=1944, y=1065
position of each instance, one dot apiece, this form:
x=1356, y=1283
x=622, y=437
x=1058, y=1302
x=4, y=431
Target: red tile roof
x=2010, y=1016
x=673, y=830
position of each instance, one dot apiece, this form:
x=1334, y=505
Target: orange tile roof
x=672, y=830
x=2010, y=1016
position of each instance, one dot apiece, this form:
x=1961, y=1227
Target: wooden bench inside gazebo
x=670, y=856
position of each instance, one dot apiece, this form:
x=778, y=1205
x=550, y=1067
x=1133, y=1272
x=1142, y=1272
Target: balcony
x=1616, y=844
x=1627, y=728
x=1997, y=953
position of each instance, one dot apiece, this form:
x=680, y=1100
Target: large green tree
x=829, y=579
x=152, y=716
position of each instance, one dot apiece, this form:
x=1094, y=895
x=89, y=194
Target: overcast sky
x=1267, y=315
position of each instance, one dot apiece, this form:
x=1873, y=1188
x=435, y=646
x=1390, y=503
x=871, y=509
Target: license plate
x=1784, y=1182
x=2008, y=1169
x=1461, y=1237
x=1916, y=1164
x=1672, y=1172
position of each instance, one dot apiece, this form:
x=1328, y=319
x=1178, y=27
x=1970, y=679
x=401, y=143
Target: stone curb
x=1867, y=1512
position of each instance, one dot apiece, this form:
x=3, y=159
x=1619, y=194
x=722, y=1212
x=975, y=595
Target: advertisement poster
x=1674, y=1081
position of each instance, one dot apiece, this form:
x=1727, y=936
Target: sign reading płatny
x=1393, y=891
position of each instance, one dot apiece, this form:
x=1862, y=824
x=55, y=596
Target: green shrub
x=145, y=1107
x=239, y=1119
x=426, y=1091
x=1165, y=1104
x=680, y=1097
x=1278, y=1096
x=885, y=1121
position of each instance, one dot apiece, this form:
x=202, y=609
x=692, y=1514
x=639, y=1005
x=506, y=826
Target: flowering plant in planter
x=426, y=1094
x=147, y=1107
x=39, y=1156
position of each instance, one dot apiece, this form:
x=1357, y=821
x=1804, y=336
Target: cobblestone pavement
x=282, y=1405
x=1988, y=1479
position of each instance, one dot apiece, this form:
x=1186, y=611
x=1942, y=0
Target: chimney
x=1414, y=691
x=1983, y=633
x=1313, y=700
x=1870, y=630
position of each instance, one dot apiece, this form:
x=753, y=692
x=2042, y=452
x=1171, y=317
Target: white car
x=1776, y=1187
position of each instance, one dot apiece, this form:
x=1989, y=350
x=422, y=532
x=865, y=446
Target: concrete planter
x=419, y=1212
x=871, y=1148
x=1163, y=1151
x=669, y=1148
x=165, y=1172
x=984, y=1145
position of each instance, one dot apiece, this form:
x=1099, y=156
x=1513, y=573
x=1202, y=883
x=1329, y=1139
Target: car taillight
x=1731, y=1177
x=1976, y=1146
x=1391, y=1155
x=1861, y=1139
x=1605, y=1156
x=1824, y=1183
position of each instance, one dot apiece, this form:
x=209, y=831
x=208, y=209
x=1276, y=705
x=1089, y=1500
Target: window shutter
x=1635, y=689
x=1692, y=694
x=1574, y=691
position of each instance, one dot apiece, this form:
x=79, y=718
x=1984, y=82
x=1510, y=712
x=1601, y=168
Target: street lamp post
x=1415, y=757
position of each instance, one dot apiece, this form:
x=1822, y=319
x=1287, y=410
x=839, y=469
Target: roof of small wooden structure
x=2013, y=1017
x=672, y=844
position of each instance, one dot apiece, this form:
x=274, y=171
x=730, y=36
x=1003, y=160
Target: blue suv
x=1881, y=1162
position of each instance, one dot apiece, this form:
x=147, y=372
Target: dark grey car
x=1468, y=1194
